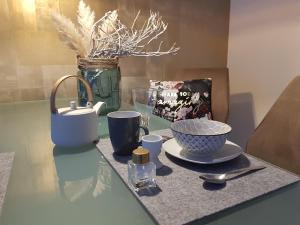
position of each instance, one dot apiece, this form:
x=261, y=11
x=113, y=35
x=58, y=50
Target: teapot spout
x=98, y=106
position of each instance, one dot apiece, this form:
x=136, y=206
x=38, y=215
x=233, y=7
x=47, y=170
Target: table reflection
x=81, y=172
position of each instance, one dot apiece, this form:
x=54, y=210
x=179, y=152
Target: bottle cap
x=140, y=156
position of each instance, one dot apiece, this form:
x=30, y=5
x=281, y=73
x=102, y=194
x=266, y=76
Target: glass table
x=59, y=186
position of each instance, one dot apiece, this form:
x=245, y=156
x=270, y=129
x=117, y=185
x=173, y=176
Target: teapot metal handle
x=59, y=81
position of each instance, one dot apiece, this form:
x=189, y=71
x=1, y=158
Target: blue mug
x=124, y=131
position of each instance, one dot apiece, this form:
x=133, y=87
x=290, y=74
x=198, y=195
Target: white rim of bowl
x=126, y=114
x=230, y=129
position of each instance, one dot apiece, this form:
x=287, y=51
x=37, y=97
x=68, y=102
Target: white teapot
x=74, y=126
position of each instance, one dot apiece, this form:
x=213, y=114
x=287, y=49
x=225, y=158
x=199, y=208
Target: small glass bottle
x=141, y=172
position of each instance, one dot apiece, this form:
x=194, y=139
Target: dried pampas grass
x=86, y=20
x=69, y=34
x=77, y=39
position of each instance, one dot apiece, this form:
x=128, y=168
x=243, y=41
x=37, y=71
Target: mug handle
x=146, y=131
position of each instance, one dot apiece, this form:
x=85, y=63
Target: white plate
x=229, y=151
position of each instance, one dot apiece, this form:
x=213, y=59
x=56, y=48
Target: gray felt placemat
x=182, y=197
x=6, y=161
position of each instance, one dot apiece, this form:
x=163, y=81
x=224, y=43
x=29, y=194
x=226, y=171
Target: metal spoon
x=221, y=178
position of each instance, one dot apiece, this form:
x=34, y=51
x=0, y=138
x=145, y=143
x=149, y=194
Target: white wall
x=263, y=56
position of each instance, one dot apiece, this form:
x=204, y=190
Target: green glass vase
x=104, y=78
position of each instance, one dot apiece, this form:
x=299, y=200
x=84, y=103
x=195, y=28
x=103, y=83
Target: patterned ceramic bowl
x=200, y=136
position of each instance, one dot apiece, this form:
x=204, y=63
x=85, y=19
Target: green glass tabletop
x=59, y=186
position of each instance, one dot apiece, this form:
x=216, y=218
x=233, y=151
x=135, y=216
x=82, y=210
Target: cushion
x=178, y=100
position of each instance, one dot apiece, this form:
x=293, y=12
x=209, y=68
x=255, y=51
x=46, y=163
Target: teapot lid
x=67, y=111
x=74, y=110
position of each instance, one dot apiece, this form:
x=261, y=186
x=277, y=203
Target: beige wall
x=263, y=56
x=32, y=57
